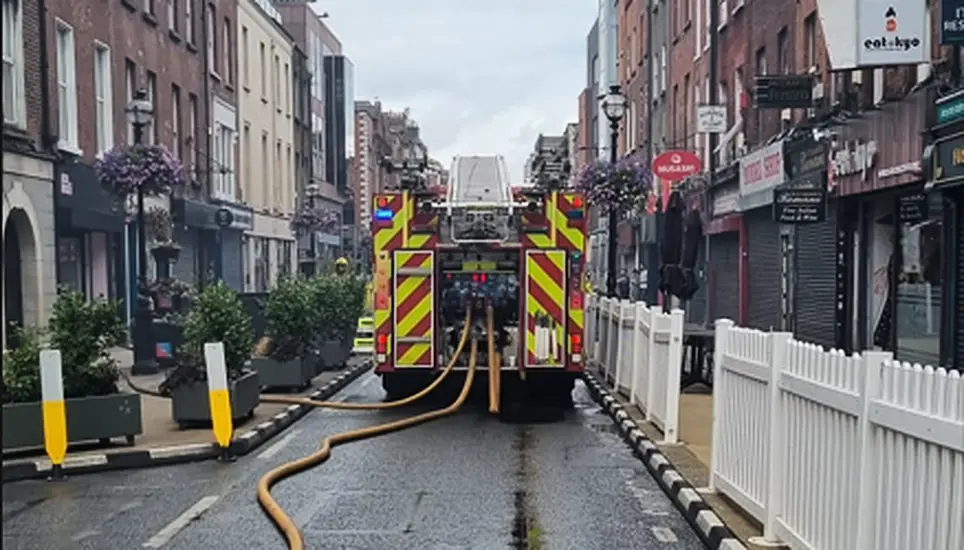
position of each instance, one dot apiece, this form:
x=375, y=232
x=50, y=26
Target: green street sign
x=951, y=109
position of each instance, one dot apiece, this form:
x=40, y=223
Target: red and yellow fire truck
x=477, y=246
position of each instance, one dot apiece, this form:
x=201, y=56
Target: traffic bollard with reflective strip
x=54, y=412
x=219, y=396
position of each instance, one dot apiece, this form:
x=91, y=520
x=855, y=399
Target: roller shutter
x=815, y=281
x=725, y=262
x=765, y=309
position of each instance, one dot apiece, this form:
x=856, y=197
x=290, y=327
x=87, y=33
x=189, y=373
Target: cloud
x=480, y=78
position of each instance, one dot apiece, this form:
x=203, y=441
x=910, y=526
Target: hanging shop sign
x=950, y=109
x=726, y=200
x=952, y=22
x=891, y=32
x=946, y=161
x=676, y=165
x=799, y=203
x=913, y=208
x=710, y=119
x=783, y=91
x=855, y=157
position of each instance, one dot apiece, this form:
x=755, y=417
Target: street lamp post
x=140, y=114
x=312, y=190
x=614, y=107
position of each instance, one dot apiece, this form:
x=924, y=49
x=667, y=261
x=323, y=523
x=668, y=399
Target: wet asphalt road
x=465, y=482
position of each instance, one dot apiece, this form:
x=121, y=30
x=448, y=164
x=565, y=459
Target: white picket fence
x=837, y=452
x=827, y=451
x=637, y=347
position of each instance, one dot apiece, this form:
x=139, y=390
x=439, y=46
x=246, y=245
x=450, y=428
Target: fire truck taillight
x=576, y=341
x=381, y=345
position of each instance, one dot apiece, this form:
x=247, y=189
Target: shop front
x=90, y=233
x=943, y=165
x=760, y=172
x=211, y=249
x=812, y=268
x=896, y=235
x=727, y=242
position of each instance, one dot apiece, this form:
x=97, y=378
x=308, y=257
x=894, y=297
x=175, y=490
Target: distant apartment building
x=370, y=148
x=267, y=142
x=314, y=38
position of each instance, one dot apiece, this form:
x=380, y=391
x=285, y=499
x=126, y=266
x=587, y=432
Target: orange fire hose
x=380, y=406
x=495, y=368
x=271, y=507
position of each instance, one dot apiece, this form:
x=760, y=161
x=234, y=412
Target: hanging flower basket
x=314, y=219
x=151, y=168
x=622, y=187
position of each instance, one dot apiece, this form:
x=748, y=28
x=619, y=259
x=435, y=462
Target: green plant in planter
x=289, y=318
x=338, y=303
x=21, y=369
x=84, y=331
x=217, y=316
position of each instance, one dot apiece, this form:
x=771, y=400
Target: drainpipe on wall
x=47, y=142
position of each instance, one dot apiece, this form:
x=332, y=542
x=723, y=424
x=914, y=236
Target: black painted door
x=765, y=307
x=725, y=265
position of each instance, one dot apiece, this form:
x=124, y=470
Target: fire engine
x=479, y=245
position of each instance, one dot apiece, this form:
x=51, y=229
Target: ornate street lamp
x=140, y=114
x=614, y=107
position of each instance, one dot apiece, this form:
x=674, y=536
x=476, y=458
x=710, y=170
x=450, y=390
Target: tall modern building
x=339, y=119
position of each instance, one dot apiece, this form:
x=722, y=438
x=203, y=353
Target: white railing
x=837, y=452
x=639, y=350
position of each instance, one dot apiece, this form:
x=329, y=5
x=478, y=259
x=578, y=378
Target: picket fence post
x=872, y=370
x=618, y=373
x=654, y=313
x=720, y=338
x=639, y=309
x=675, y=365
x=776, y=446
x=603, y=333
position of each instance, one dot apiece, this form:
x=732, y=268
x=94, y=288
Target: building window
x=189, y=21
x=212, y=40
x=810, y=41
x=130, y=78
x=262, y=261
x=216, y=153
x=276, y=76
x=14, y=100
x=103, y=102
x=149, y=6
x=919, y=286
x=286, y=86
x=761, y=70
x=246, y=155
x=152, y=97
x=264, y=75
x=193, y=133
x=173, y=14
x=176, y=140
x=226, y=36
x=783, y=52
x=245, y=64
x=67, y=86
x=227, y=163
x=277, y=175
x=265, y=173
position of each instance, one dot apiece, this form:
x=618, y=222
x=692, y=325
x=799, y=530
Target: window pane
x=919, y=290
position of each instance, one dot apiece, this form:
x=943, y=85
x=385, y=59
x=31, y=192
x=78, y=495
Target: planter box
x=97, y=418
x=190, y=406
x=334, y=354
x=296, y=373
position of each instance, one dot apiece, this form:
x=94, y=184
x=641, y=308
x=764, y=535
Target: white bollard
x=54, y=410
x=219, y=396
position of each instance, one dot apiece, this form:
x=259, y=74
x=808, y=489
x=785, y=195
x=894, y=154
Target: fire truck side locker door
x=414, y=313
x=545, y=299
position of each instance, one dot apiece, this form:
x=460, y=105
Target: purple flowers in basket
x=315, y=219
x=622, y=186
x=151, y=168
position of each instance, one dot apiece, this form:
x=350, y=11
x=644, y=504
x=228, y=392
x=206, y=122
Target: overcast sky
x=479, y=77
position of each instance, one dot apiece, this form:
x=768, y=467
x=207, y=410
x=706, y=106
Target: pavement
x=691, y=456
x=163, y=442
x=469, y=481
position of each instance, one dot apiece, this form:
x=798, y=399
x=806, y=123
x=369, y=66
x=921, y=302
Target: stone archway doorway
x=18, y=246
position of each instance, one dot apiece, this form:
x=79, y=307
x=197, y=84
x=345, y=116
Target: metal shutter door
x=186, y=262
x=725, y=262
x=764, y=273
x=815, y=301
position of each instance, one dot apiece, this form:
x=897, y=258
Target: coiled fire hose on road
x=271, y=507
x=386, y=405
